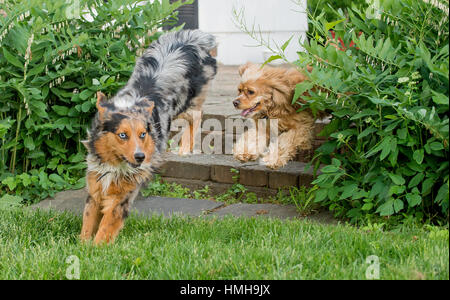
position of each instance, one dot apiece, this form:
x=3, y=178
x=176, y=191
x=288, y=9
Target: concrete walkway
x=73, y=201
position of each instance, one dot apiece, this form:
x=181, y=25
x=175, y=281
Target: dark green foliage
x=53, y=59
x=329, y=7
x=388, y=96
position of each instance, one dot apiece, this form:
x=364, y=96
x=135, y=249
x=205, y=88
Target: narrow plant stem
x=13, y=158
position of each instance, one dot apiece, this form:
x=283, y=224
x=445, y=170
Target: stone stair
x=197, y=170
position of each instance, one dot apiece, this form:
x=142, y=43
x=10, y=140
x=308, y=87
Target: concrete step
x=226, y=171
x=73, y=201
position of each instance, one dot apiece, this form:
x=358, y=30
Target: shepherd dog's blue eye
x=123, y=136
x=143, y=135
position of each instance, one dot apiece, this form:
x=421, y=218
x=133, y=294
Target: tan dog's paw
x=273, y=162
x=184, y=152
x=245, y=157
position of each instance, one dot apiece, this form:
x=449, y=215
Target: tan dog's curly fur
x=266, y=93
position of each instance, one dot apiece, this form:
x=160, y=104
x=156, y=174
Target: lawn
x=37, y=245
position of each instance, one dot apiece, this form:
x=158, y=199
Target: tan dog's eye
x=250, y=92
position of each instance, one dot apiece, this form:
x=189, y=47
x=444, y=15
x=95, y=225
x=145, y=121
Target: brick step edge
x=217, y=188
x=225, y=169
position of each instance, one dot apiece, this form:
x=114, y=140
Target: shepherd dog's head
x=122, y=135
x=266, y=91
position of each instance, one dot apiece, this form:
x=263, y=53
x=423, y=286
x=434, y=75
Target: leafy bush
x=329, y=7
x=382, y=72
x=384, y=77
x=54, y=56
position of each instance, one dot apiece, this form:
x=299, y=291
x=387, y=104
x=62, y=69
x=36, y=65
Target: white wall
x=278, y=19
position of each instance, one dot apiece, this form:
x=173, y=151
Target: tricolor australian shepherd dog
x=130, y=131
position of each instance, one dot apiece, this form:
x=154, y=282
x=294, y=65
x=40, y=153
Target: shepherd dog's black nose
x=139, y=157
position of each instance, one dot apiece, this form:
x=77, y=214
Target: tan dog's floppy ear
x=101, y=98
x=243, y=68
x=282, y=94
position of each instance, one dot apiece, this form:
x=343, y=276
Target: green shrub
x=53, y=59
x=329, y=7
x=388, y=96
x=382, y=72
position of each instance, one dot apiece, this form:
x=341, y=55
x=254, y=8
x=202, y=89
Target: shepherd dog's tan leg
x=91, y=219
x=194, y=117
x=111, y=224
x=115, y=210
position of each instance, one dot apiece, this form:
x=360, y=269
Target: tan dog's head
x=265, y=90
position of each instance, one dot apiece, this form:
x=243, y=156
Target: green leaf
x=386, y=209
x=57, y=179
x=349, y=190
x=402, y=133
x=11, y=182
x=413, y=199
x=366, y=132
x=384, y=144
x=377, y=188
x=86, y=106
x=427, y=185
x=364, y=113
x=416, y=180
x=9, y=201
x=301, y=88
x=321, y=194
x=367, y=206
x=396, y=179
x=439, y=98
x=28, y=143
x=26, y=179
x=84, y=95
x=61, y=110
x=442, y=194
x=271, y=59
x=418, y=156
x=330, y=169
x=12, y=59
x=332, y=193
x=396, y=189
x=76, y=158
x=331, y=25
x=385, y=152
x=398, y=205
x=286, y=44
x=336, y=162
x=436, y=146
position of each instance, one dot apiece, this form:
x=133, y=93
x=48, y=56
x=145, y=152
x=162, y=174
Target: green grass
x=237, y=193
x=35, y=245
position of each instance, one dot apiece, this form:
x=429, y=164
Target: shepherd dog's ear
x=149, y=105
x=101, y=98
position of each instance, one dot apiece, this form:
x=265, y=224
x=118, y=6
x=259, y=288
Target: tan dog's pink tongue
x=245, y=112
